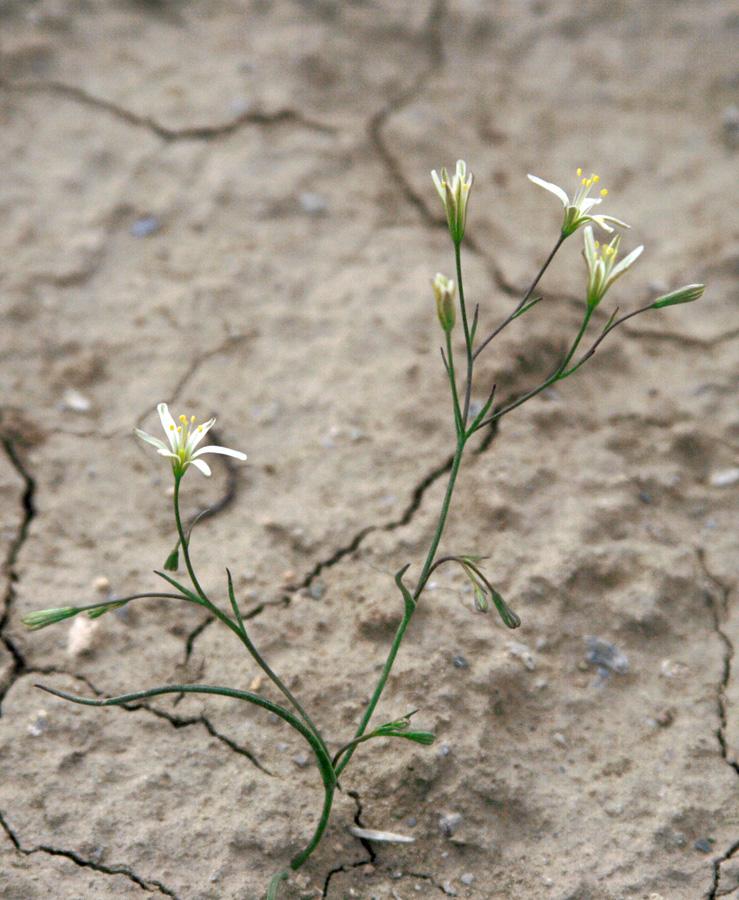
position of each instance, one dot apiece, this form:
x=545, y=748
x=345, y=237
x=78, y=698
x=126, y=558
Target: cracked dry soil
x=227, y=206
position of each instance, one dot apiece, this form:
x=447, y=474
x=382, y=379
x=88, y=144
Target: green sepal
x=510, y=619
x=172, y=562
x=108, y=607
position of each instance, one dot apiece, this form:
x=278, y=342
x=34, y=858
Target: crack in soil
x=148, y=885
x=366, y=844
x=169, y=135
x=718, y=608
x=29, y=511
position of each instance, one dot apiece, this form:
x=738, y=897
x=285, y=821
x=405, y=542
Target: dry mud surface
x=227, y=206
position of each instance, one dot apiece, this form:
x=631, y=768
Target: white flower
x=577, y=210
x=602, y=271
x=454, y=195
x=183, y=439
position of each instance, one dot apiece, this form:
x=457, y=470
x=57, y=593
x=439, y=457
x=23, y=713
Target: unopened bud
x=172, y=560
x=684, y=295
x=444, y=293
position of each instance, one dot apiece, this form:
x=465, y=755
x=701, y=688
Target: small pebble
x=449, y=823
x=101, y=585
x=81, y=636
x=301, y=760
x=39, y=724
x=467, y=878
x=313, y=204
x=317, y=590
x=522, y=652
x=724, y=477
x=605, y=656
x=145, y=226
x=460, y=662
x=76, y=401
x=703, y=845
x=673, y=669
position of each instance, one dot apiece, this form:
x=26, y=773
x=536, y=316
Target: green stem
x=183, y=539
x=329, y=790
x=453, y=382
x=554, y=377
x=263, y=665
x=467, y=335
x=520, y=307
x=328, y=774
x=409, y=606
x=442, y=516
x=237, y=627
x=380, y=686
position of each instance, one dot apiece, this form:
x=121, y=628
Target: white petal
x=224, y=451
x=590, y=248
x=198, y=434
x=439, y=188
x=165, y=451
x=625, y=263
x=151, y=440
x=588, y=203
x=204, y=467
x=601, y=219
x=557, y=191
x=168, y=424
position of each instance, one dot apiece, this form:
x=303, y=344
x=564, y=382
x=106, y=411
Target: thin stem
x=263, y=665
x=329, y=790
x=442, y=516
x=555, y=376
x=605, y=332
x=519, y=308
x=183, y=539
x=468, y=337
x=453, y=382
x=328, y=774
x=380, y=685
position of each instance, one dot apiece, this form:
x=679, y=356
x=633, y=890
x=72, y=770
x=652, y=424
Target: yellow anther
x=596, y=179
x=603, y=192
x=200, y=427
x=183, y=418
x=579, y=172
x=192, y=420
x=171, y=428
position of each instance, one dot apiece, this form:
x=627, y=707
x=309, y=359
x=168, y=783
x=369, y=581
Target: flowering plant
x=333, y=755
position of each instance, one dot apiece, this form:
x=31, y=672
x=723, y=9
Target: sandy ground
x=227, y=206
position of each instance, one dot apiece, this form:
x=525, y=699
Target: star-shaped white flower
x=577, y=210
x=183, y=439
x=602, y=267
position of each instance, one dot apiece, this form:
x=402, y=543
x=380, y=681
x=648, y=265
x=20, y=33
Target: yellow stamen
x=579, y=172
x=192, y=420
x=183, y=418
x=171, y=428
x=596, y=179
x=200, y=427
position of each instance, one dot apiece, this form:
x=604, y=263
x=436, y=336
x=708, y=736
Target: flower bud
x=444, y=293
x=684, y=295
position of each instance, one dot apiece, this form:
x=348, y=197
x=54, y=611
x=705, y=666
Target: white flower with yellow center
x=454, y=194
x=602, y=267
x=577, y=210
x=183, y=439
